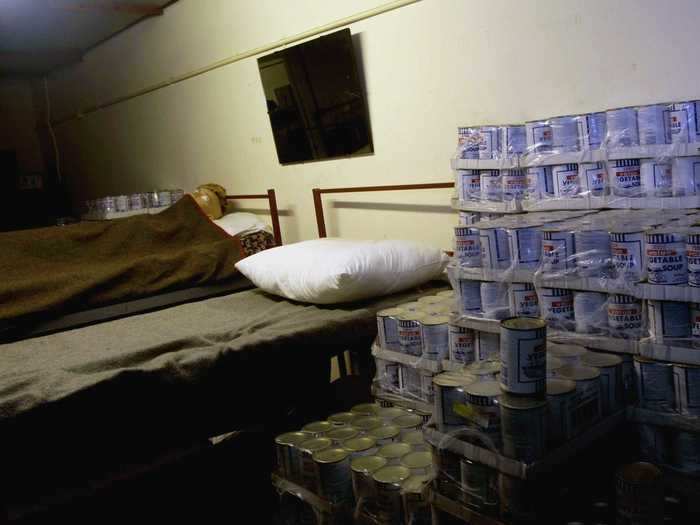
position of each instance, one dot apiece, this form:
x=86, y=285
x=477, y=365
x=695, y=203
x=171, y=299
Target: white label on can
x=592, y=129
x=539, y=136
x=470, y=296
x=487, y=345
x=590, y=312
x=687, y=386
x=523, y=361
x=491, y=186
x=557, y=307
x=468, y=247
x=625, y=177
x=524, y=433
x=564, y=134
x=462, y=343
x=586, y=404
x=686, y=176
x=489, y=143
x=494, y=248
x=651, y=122
x=655, y=385
x=592, y=251
x=435, y=341
x=392, y=374
x=592, y=176
x=626, y=250
x=625, y=319
x=666, y=263
x=469, y=184
x=656, y=178
x=494, y=296
x=668, y=319
x=525, y=247
x=410, y=337
x=559, y=417
x=538, y=183
x=514, y=183
x=683, y=122
x=513, y=140
x=566, y=181
x=388, y=328
x=523, y=301
x=693, y=256
x=557, y=250
x=410, y=380
x=622, y=127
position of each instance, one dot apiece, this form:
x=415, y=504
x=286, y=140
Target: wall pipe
x=238, y=57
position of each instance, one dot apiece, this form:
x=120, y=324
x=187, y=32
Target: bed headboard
x=274, y=213
x=319, y=192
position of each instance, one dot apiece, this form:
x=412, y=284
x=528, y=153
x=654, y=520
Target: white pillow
x=241, y=223
x=327, y=271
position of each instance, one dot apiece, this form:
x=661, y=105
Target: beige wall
x=429, y=67
x=18, y=124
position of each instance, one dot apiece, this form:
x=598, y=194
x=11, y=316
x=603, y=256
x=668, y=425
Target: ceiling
x=37, y=36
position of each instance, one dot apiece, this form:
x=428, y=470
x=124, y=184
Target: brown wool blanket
x=53, y=270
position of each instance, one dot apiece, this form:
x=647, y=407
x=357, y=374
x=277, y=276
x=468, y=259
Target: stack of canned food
x=541, y=396
x=659, y=175
x=418, y=329
x=134, y=202
x=372, y=460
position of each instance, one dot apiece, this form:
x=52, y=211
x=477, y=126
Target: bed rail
x=319, y=192
x=274, y=212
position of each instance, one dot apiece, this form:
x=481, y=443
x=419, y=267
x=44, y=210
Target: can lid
x=368, y=409
x=623, y=107
x=638, y=472
x=563, y=116
x=394, y=450
x=431, y=319
x=578, y=373
x=484, y=389
x=411, y=316
x=429, y=299
x=600, y=360
x=314, y=444
x=414, y=437
x=407, y=421
x=642, y=359
x=655, y=104
x=359, y=444
x=565, y=351
x=391, y=412
x=554, y=363
x=384, y=432
x=557, y=387
x=436, y=309
x=318, y=426
x=417, y=459
x=331, y=455
x=367, y=423
x=482, y=368
x=392, y=474
x=538, y=121
x=342, y=418
x=446, y=380
x=415, y=484
x=367, y=464
x=451, y=293
x=390, y=312
x=343, y=433
x=292, y=438
x=515, y=125
x=523, y=323
x=521, y=403
x=410, y=306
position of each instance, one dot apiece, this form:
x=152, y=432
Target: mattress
x=188, y=371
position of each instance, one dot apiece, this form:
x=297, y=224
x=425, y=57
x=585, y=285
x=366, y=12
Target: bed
x=80, y=407
x=92, y=304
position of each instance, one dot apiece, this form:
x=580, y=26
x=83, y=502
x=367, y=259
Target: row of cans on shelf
x=371, y=455
x=676, y=177
x=583, y=312
x=661, y=123
x=135, y=201
x=670, y=447
x=662, y=248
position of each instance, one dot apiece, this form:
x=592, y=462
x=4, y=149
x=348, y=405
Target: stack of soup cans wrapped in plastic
x=632, y=152
x=135, y=203
x=589, y=223
x=371, y=463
